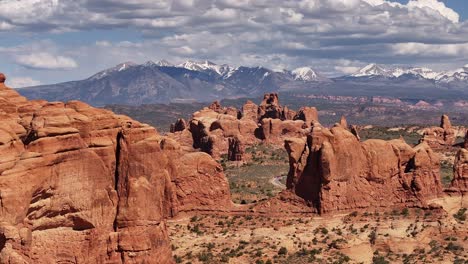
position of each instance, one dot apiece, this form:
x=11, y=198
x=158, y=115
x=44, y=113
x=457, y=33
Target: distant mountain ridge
x=165, y=82
x=375, y=70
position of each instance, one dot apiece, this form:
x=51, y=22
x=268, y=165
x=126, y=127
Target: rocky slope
x=83, y=185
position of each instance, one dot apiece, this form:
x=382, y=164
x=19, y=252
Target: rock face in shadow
x=83, y=185
x=236, y=149
x=460, y=169
x=333, y=171
x=444, y=135
x=179, y=125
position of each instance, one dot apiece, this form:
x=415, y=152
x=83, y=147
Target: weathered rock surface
x=270, y=107
x=444, y=135
x=214, y=128
x=211, y=131
x=307, y=114
x=460, y=169
x=333, y=171
x=83, y=185
x=250, y=111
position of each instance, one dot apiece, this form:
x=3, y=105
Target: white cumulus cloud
x=20, y=82
x=435, y=5
x=46, y=61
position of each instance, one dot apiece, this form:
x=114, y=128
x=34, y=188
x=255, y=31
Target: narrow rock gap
x=116, y=176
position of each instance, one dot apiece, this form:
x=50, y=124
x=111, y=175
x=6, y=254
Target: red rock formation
x=250, y=111
x=270, y=107
x=440, y=136
x=355, y=131
x=211, y=131
x=216, y=106
x=343, y=122
x=236, y=149
x=460, y=169
x=307, y=114
x=288, y=114
x=275, y=130
x=212, y=127
x=465, y=144
x=179, y=125
x=334, y=171
x=83, y=185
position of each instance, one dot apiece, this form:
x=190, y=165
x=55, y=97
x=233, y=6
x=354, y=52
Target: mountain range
x=164, y=82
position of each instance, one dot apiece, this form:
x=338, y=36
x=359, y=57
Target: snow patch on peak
x=164, y=63
x=307, y=74
x=204, y=66
x=304, y=74
x=379, y=70
x=371, y=70
x=118, y=68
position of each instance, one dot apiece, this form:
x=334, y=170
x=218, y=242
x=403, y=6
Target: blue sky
x=49, y=41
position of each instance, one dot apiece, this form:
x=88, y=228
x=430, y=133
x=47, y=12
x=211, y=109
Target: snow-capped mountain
x=118, y=68
x=162, y=82
x=375, y=70
x=164, y=63
x=204, y=66
x=307, y=74
x=425, y=73
x=372, y=70
x=453, y=76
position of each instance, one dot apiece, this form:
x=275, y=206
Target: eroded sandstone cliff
x=83, y=185
x=333, y=171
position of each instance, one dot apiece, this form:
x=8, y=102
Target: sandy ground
x=420, y=236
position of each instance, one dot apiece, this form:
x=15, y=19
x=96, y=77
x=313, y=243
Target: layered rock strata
x=333, y=171
x=83, y=185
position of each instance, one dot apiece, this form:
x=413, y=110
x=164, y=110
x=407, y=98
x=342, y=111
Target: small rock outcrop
x=179, y=125
x=307, y=114
x=250, y=111
x=444, y=135
x=343, y=122
x=270, y=107
x=83, y=185
x=333, y=171
x=236, y=149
